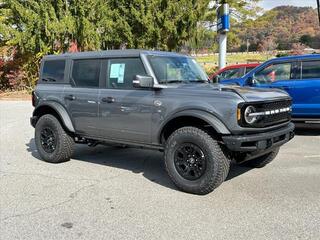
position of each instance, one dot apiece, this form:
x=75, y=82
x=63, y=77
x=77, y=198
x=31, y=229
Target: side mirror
x=250, y=81
x=140, y=81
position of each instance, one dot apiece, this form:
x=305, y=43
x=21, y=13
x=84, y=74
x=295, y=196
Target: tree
x=48, y=26
x=267, y=44
x=306, y=39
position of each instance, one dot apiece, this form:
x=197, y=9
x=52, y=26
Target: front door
x=125, y=112
x=278, y=75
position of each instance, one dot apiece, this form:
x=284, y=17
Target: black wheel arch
x=57, y=110
x=197, y=118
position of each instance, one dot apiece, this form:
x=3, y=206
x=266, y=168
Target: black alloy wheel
x=190, y=161
x=48, y=140
x=54, y=144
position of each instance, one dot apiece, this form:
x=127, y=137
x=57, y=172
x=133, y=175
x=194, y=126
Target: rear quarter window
x=310, y=70
x=53, y=71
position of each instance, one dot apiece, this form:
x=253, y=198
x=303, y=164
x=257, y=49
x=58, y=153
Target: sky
x=268, y=4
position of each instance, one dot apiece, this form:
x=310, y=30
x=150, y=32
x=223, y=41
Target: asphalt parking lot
x=110, y=193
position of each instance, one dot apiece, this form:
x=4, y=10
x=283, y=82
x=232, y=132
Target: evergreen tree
x=51, y=25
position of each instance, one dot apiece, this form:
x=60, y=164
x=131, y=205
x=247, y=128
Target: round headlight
x=250, y=119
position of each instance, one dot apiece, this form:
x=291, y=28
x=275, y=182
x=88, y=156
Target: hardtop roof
x=112, y=53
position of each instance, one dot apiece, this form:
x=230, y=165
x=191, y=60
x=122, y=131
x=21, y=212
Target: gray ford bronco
x=161, y=101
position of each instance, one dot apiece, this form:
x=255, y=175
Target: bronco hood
x=250, y=94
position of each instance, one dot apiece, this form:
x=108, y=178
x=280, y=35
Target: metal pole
x=222, y=50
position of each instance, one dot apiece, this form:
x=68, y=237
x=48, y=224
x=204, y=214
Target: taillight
x=33, y=98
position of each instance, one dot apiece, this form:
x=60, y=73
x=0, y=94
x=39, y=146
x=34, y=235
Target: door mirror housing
x=140, y=81
x=250, y=81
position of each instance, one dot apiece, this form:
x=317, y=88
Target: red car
x=232, y=71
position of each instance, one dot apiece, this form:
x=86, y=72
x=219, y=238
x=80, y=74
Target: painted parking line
x=313, y=156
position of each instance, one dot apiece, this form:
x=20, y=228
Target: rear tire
x=53, y=143
x=194, y=161
x=262, y=161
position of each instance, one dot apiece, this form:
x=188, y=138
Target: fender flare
x=211, y=119
x=60, y=110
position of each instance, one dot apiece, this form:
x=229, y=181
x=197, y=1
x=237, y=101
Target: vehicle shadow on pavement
x=146, y=162
x=307, y=129
x=236, y=170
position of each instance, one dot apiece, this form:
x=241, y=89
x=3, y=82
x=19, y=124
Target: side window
x=248, y=69
x=53, y=71
x=230, y=74
x=273, y=73
x=85, y=73
x=122, y=71
x=311, y=70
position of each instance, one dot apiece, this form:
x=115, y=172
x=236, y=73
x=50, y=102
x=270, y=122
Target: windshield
x=176, y=69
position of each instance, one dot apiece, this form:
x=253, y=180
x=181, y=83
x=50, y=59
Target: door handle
x=70, y=97
x=108, y=99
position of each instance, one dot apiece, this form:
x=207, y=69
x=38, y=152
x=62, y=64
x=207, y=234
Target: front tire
x=53, y=143
x=262, y=161
x=194, y=161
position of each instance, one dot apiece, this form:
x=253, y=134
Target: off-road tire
x=64, y=142
x=217, y=164
x=262, y=161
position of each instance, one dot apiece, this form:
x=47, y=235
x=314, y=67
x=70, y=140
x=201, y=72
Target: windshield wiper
x=200, y=81
x=184, y=81
x=175, y=81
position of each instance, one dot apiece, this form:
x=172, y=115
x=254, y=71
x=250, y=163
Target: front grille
x=276, y=105
x=270, y=119
x=276, y=118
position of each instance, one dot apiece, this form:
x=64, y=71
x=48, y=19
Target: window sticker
x=117, y=71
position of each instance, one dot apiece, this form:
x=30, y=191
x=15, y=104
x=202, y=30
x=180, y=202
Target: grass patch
x=235, y=58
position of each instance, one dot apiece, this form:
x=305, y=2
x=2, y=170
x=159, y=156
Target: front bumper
x=261, y=142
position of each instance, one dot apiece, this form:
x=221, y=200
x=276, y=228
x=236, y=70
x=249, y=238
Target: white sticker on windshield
x=117, y=71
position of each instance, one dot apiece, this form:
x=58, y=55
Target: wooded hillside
x=280, y=28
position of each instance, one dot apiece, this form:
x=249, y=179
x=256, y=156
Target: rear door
x=81, y=95
x=307, y=88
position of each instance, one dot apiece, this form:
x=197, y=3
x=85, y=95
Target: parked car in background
x=298, y=75
x=232, y=71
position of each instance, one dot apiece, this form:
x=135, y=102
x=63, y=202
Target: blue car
x=298, y=75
